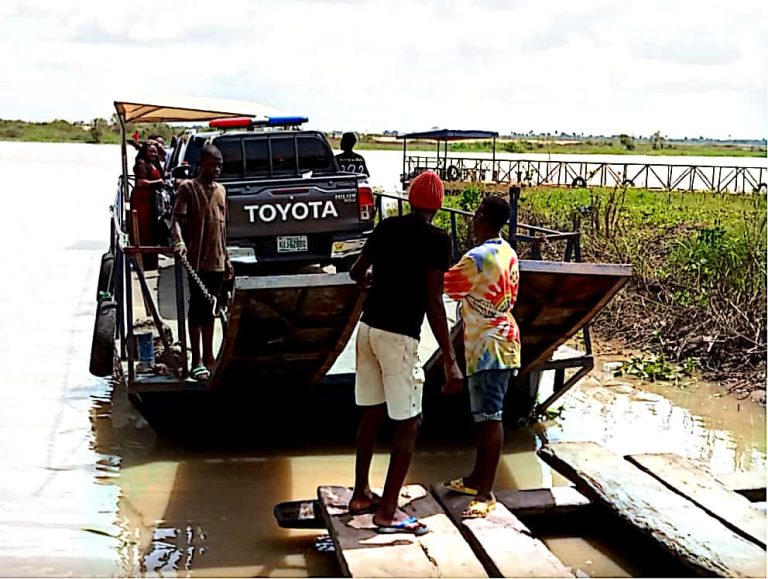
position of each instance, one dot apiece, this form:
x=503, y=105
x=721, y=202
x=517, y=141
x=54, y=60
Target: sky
x=683, y=67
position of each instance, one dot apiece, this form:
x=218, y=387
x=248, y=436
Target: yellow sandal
x=478, y=509
x=457, y=486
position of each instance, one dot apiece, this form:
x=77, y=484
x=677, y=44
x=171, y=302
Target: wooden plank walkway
x=679, y=526
x=748, y=484
x=501, y=541
x=681, y=476
x=362, y=552
x=555, y=501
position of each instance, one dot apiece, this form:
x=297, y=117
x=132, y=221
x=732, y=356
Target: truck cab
x=288, y=203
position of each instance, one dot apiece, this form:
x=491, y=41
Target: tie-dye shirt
x=486, y=281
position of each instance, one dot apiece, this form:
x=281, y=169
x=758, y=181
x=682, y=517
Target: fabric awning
x=188, y=109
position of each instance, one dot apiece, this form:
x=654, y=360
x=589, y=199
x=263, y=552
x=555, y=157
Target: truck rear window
x=256, y=157
x=232, y=155
x=314, y=155
x=283, y=155
x=265, y=156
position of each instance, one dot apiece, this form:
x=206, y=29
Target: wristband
x=178, y=244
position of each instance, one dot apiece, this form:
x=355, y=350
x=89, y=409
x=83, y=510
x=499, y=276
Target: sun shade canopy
x=188, y=109
x=449, y=135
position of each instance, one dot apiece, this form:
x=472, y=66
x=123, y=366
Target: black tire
x=103, y=344
x=106, y=283
x=579, y=182
x=761, y=188
x=452, y=173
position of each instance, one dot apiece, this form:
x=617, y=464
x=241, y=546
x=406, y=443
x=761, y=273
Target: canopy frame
x=443, y=136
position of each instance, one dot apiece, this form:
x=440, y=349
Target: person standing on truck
x=149, y=178
x=403, y=261
x=199, y=234
x=486, y=281
x=348, y=160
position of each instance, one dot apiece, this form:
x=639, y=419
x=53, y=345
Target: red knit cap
x=426, y=191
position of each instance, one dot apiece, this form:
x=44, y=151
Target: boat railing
x=128, y=260
x=534, y=235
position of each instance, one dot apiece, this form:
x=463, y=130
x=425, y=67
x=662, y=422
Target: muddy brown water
x=88, y=489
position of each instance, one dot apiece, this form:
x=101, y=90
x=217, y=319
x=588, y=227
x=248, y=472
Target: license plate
x=291, y=243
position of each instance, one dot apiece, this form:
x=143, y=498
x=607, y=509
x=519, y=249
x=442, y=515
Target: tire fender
x=103, y=343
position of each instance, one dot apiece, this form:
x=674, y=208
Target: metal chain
x=213, y=300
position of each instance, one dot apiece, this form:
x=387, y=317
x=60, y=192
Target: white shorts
x=388, y=370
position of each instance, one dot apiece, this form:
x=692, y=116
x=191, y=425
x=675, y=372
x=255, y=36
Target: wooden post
x=514, y=196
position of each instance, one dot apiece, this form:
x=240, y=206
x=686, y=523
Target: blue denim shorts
x=487, y=389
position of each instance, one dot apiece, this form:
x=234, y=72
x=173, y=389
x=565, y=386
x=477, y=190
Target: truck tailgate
x=292, y=206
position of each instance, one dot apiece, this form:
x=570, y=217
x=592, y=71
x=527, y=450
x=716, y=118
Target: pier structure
x=575, y=172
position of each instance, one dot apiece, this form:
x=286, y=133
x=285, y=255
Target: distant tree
x=98, y=128
x=627, y=142
x=657, y=141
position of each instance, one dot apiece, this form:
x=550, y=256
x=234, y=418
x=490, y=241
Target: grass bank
x=698, y=295
x=575, y=147
x=97, y=131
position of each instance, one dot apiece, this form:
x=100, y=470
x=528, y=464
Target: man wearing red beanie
x=407, y=256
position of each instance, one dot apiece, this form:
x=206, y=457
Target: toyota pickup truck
x=288, y=203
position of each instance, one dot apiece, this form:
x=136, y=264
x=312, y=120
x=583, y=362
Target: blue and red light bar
x=248, y=122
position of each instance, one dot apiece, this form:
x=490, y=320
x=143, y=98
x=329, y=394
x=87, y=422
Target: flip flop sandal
x=478, y=509
x=410, y=525
x=200, y=373
x=457, y=486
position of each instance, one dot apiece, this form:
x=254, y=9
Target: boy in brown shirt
x=200, y=217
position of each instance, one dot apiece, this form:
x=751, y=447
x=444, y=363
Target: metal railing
x=576, y=173
x=128, y=262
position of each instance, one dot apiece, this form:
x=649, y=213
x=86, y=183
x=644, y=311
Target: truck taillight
x=365, y=202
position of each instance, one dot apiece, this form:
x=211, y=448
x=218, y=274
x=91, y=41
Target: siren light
x=248, y=122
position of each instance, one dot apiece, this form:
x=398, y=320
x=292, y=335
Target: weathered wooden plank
x=699, y=540
x=681, y=476
x=545, y=502
x=501, y=541
x=749, y=484
x=364, y=553
x=527, y=504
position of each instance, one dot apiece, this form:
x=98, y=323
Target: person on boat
x=199, y=235
x=349, y=160
x=486, y=280
x=162, y=153
x=402, y=262
x=148, y=178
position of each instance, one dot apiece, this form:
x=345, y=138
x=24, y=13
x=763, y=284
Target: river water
x=88, y=489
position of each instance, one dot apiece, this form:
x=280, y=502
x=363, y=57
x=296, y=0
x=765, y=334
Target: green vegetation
x=699, y=259
x=624, y=145
x=58, y=131
x=653, y=367
x=107, y=131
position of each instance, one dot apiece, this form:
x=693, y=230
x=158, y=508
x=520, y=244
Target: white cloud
x=596, y=66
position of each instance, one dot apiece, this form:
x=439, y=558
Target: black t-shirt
x=402, y=250
x=352, y=163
